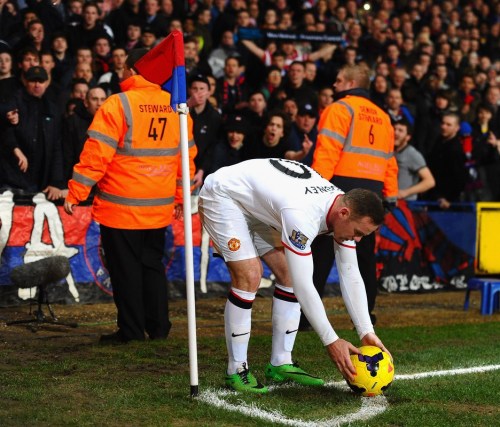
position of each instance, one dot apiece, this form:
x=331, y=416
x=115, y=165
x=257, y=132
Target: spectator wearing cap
x=303, y=134
x=233, y=149
x=207, y=126
x=148, y=37
x=36, y=163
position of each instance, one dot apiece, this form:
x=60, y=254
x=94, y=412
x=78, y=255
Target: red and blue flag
x=164, y=65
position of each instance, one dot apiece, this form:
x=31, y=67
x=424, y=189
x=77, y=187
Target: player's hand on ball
x=372, y=339
x=340, y=351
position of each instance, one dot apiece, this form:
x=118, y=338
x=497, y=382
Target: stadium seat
x=482, y=284
x=493, y=296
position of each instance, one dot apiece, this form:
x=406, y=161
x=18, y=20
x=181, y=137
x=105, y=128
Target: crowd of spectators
x=434, y=63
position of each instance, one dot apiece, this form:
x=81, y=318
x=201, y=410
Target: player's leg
x=245, y=278
x=285, y=318
x=228, y=229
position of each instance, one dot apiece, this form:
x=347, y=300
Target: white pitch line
x=370, y=406
x=460, y=371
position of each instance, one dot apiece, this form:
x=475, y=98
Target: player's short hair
x=365, y=203
x=360, y=73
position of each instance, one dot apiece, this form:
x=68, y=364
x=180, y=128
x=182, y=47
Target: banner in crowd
x=290, y=36
x=421, y=248
x=418, y=250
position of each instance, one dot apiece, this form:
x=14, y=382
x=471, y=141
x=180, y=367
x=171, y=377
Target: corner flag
x=164, y=65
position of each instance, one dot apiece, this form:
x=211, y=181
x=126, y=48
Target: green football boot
x=244, y=381
x=293, y=373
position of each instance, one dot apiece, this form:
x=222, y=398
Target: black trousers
x=323, y=257
x=134, y=262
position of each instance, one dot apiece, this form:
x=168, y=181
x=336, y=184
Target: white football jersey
x=284, y=194
x=295, y=200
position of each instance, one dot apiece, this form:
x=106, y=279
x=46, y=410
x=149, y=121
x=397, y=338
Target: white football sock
x=286, y=318
x=238, y=324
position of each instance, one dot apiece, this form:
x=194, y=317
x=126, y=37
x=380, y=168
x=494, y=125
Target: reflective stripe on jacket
x=133, y=155
x=356, y=139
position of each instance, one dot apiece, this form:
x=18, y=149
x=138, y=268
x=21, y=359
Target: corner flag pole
x=164, y=65
x=188, y=250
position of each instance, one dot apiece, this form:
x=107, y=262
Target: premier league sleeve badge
x=298, y=239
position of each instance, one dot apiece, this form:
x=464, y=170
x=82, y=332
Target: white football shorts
x=236, y=235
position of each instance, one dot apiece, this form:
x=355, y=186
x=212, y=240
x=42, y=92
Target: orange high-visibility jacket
x=356, y=140
x=133, y=154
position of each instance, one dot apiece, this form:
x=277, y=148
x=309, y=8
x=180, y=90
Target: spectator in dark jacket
x=75, y=127
x=234, y=148
x=89, y=31
x=447, y=163
x=207, y=126
x=36, y=163
x=303, y=135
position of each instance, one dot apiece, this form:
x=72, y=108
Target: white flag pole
x=183, y=111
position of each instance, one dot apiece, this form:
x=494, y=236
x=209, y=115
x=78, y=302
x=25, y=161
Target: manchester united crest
x=233, y=244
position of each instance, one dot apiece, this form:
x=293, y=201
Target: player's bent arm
x=339, y=350
x=352, y=287
x=301, y=272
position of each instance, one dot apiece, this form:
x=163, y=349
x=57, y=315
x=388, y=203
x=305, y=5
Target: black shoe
x=114, y=338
